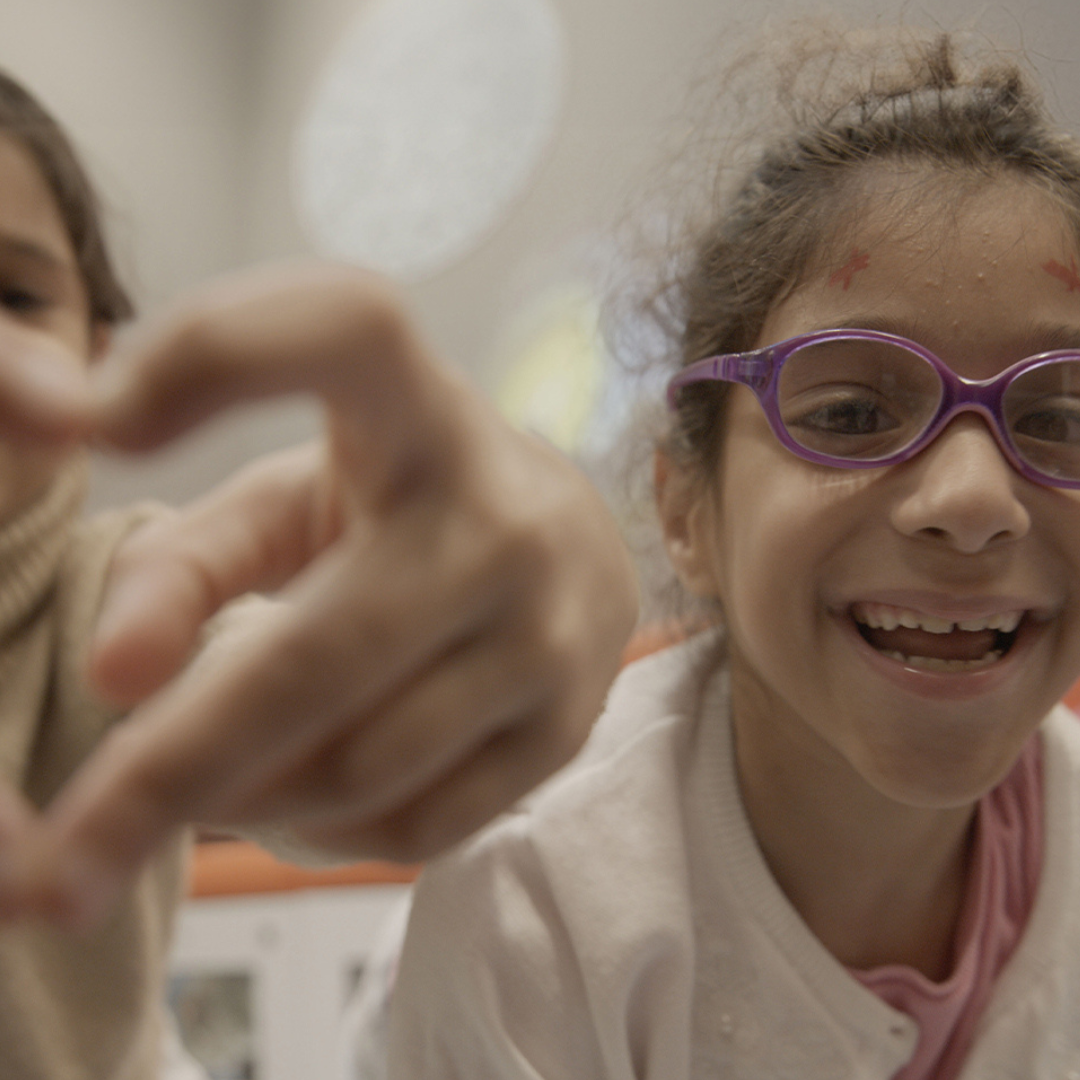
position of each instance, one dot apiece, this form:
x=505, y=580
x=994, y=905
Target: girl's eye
x=850, y=416
x=21, y=301
x=852, y=421
x=1056, y=424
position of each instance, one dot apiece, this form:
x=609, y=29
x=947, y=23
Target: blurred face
x=905, y=628
x=43, y=303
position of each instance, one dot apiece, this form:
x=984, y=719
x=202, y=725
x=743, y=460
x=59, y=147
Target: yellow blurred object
x=553, y=376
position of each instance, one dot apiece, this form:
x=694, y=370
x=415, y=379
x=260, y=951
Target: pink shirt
x=1000, y=895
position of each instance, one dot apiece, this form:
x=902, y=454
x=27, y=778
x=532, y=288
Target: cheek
x=783, y=525
x=755, y=519
x=77, y=333
x=786, y=530
x=759, y=580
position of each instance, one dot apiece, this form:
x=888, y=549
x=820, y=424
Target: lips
x=933, y=642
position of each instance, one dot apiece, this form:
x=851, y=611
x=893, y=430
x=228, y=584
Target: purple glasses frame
x=759, y=370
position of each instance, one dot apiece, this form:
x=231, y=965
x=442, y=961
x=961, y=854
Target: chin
x=946, y=780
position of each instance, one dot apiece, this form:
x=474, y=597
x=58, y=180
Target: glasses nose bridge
x=982, y=397
x=985, y=394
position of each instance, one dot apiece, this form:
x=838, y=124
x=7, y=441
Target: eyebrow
x=1056, y=337
x=1032, y=337
x=900, y=327
x=25, y=248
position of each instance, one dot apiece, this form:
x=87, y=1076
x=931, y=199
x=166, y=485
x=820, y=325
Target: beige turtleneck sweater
x=71, y=1007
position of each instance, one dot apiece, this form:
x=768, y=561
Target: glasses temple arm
x=751, y=369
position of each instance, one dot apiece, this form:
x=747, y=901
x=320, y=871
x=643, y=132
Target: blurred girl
x=343, y=718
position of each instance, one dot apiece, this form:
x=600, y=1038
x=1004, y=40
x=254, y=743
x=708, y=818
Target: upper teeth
x=885, y=617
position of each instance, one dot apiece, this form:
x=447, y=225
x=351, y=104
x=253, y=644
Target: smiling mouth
x=931, y=643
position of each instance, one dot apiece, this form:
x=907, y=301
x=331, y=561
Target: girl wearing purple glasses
x=834, y=836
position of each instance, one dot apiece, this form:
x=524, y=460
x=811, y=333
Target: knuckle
x=520, y=555
x=194, y=349
x=382, y=323
x=548, y=636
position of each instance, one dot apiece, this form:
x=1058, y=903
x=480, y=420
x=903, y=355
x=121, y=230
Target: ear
x=101, y=336
x=687, y=518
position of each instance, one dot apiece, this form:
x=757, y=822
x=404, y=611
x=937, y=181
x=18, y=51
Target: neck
x=877, y=881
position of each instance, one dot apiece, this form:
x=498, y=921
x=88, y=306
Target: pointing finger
x=333, y=331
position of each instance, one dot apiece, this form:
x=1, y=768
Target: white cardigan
x=622, y=924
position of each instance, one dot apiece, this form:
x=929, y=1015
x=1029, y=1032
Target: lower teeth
x=935, y=663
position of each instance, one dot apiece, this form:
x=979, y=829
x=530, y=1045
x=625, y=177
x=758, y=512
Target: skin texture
x=450, y=597
x=861, y=777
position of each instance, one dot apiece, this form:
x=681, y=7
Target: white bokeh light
x=427, y=124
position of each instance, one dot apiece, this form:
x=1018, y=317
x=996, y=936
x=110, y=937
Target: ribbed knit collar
x=32, y=545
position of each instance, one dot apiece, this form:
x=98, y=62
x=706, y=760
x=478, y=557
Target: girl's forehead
x=927, y=215
x=29, y=214
x=978, y=261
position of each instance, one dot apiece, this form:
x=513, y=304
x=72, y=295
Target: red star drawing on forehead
x=859, y=260
x=1067, y=274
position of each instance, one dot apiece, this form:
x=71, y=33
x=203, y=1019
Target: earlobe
x=685, y=518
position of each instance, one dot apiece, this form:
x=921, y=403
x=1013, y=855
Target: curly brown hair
x=846, y=100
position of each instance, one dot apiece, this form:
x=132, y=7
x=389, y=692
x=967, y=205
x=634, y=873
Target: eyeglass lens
x=864, y=400
x=1042, y=415
x=857, y=399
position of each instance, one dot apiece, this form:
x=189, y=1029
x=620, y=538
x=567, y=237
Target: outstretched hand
x=448, y=602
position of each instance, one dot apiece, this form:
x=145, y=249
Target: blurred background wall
x=187, y=112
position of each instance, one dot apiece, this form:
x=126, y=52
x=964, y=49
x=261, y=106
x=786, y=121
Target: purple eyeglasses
x=859, y=399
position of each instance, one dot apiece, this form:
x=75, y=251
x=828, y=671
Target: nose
x=965, y=493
